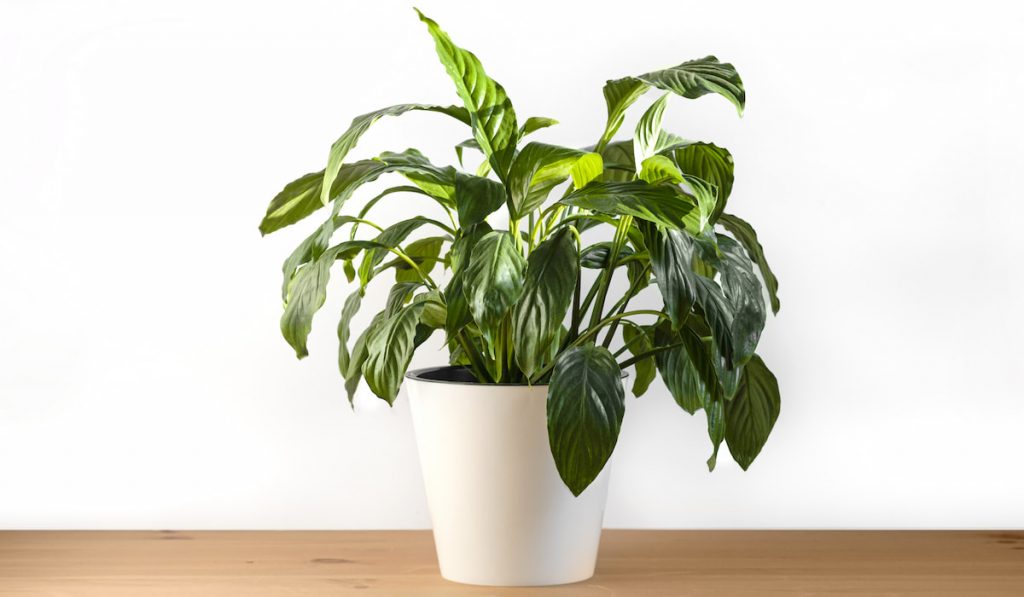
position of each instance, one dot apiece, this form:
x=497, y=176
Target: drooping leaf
x=436, y=181
x=457, y=315
x=585, y=408
x=307, y=292
x=659, y=204
x=360, y=124
x=750, y=416
x=639, y=340
x=390, y=238
x=678, y=371
x=491, y=114
x=707, y=162
x=619, y=95
x=476, y=198
x=304, y=252
x=543, y=165
x=695, y=78
x=744, y=233
x=743, y=291
x=714, y=409
x=648, y=131
x=535, y=123
x=705, y=196
x=354, y=372
x=551, y=273
x=462, y=248
x=348, y=311
x=493, y=281
x=389, y=349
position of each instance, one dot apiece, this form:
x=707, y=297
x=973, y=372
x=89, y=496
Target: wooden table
x=632, y=563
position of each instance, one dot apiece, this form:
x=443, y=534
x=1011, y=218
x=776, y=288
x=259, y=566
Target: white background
x=143, y=382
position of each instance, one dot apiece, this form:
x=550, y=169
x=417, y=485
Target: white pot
x=501, y=514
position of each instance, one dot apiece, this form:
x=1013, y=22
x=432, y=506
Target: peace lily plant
x=509, y=293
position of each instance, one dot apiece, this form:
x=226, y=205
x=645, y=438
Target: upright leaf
x=695, y=78
x=389, y=350
x=707, y=162
x=551, y=274
x=360, y=124
x=493, y=281
x=535, y=123
x=543, y=165
x=744, y=233
x=750, y=416
x=491, y=113
x=585, y=408
x=619, y=95
x=648, y=131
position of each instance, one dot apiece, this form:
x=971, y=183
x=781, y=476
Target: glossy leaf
x=585, y=408
x=658, y=204
x=678, y=371
x=543, y=165
x=551, y=274
x=425, y=253
x=491, y=114
x=436, y=181
x=744, y=233
x=695, y=78
x=619, y=95
x=743, y=291
x=707, y=162
x=390, y=238
x=360, y=124
x=301, y=197
x=639, y=340
x=535, y=123
x=389, y=349
x=476, y=198
x=348, y=311
x=750, y=416
x=658, y=169
x=596, y=255
x=648, y=131
x=493, y=281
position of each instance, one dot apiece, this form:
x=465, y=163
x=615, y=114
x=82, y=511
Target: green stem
x=425, y=277
x=650, y=353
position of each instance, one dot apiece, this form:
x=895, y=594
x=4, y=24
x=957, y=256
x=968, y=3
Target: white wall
x=143, y=383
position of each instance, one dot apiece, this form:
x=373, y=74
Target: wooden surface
x=726, y=563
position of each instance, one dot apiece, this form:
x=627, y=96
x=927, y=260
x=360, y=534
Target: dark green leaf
x=585, y=409
x=360, y=124
x=639, y=340
x=695, y=78
x=551, y=274
x=750, y=416
x=462, y=248
x=744, y=232
x=491, y=113
x=707, y=162
x=714, y=408
x=476, y=198
x=743, y=291
x=354, y=372
x=424, y=253
x=348, y=311
x=678, y=371
x=493, y=281
x=542, y=165
x=659, y=204
x=596, y=255
x=389, y=349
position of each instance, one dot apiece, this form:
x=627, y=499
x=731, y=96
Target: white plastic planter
x=501, y=514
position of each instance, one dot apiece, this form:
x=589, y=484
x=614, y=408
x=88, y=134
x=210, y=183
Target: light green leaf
x=535, y=123
x=658, y=169
x=438, y=182
x=390, y=238
x=493, y=281
x=744, y=233
x=707, y=162
x=659, y=204
x=425, y=254
x=706, y=197
x=551, y=273
x=360, y=124
x=542, y=165
x=695, y=78
x=491, y=114
x=750, y=416
x=619, y=95
x=648, y=131
x=639, y=340
x=585, y=408
x=389, y=350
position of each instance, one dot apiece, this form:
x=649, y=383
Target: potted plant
x=515, y=432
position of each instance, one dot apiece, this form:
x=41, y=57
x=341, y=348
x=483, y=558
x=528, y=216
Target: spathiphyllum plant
x=511, y=281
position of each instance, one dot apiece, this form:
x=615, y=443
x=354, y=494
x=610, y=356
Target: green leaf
x=390, y=238
x=706, y=197
x=618, y=162
x=535, y=123
x=425, y=253
x=348, y=311
x=389, y=350
x=596, y=255
x=491, y=114
x=493, y=281
x=659, y=204
x=639, y=340
x=360, y=124
x=304, y=252
x=743, y=291
x=659, y=169
x=683, y=290
x=648, y=131
x=551, y=273
x=307, y=292
x=715, y=411
x=678, y=371
x=744, y=233
x=457, y=315
x=476, y=198
x=543, y=165
x=301, y=197
x=438, y=182
x=619, y=95
x=750, y=416
x=707, y=162
x=585, y=409
x=695, y=78
x=462, y=248
x=354, y=372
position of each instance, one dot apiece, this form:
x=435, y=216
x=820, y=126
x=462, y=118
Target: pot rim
x=419, y=375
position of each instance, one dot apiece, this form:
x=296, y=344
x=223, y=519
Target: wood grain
x=632, y=563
